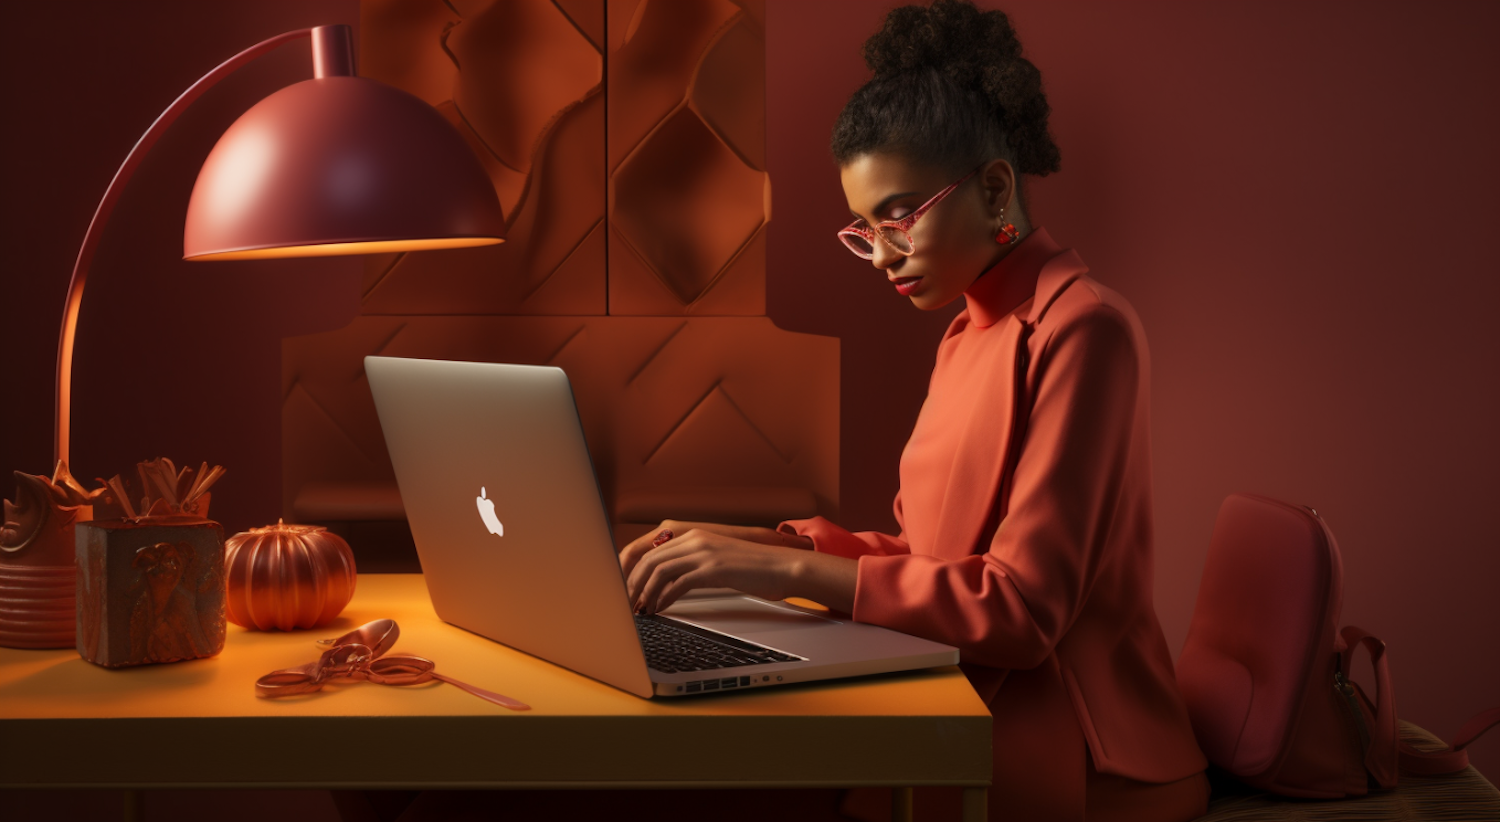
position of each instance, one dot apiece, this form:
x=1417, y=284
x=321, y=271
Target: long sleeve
x=830, y=538
x=1008, y=606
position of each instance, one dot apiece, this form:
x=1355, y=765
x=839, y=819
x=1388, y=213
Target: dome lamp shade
x=339, y=165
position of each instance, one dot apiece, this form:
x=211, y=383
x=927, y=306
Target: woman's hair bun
x=978, y=52
x=950, y=36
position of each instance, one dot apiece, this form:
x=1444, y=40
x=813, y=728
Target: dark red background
x=1298, y=199
x=173, y=359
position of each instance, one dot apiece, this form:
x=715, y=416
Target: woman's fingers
x=656, y=576
x=640, y=546
x=631, y=554
x=668, y=574
x=697, y=578
x=642, y=570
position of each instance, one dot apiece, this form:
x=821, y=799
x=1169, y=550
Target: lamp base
x=37, y=570
x=37, y=605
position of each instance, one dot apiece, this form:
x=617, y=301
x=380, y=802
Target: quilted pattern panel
x=688, y=193
x=523, y=82
x=718, y=405
x=693, y=403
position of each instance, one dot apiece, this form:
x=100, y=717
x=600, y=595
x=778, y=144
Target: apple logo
x=487, y=513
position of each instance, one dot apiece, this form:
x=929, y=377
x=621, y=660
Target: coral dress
x=1026, y=542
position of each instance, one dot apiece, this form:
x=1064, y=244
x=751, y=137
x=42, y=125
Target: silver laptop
x=515, y=545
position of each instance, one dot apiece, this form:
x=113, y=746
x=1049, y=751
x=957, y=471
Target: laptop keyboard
x=675, y=647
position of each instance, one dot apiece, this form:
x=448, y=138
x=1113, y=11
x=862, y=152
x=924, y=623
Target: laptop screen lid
x=505, y=510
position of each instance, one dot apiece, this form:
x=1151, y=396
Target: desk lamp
x=335, y=165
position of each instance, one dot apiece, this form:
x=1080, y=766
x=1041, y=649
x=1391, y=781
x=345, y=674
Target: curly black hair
x=950, y=88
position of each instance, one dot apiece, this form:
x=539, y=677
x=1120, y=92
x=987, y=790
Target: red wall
x=1295, y=198
x=1299, y=200
x=173, y=359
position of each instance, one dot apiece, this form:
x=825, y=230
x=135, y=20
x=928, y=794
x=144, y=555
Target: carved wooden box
x=150, y=591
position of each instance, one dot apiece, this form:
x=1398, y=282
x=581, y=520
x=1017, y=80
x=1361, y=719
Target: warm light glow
x=342, y=249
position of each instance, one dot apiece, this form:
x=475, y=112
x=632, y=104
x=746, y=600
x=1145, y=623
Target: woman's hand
x=758, y=561
x=704, y=558
x=764, y=536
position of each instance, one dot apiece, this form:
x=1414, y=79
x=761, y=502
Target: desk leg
x=975, y=800
x=901, y=805
x=135, y=806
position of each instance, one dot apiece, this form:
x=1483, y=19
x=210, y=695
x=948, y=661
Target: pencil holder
x=149, y=592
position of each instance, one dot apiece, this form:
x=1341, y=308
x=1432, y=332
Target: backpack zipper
x=1345, y=689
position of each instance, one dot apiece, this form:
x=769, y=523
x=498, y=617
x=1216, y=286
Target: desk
x=67, y=723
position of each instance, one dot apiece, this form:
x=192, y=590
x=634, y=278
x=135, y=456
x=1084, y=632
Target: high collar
x=1009, y=283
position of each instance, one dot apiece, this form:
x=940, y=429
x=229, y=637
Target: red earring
x=1008, y=233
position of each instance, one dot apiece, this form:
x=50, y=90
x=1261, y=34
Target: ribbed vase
x=38, y=605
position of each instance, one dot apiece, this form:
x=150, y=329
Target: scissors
x=361, y=655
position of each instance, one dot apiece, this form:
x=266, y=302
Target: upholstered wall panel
x=523, y=82
x=671, y=406
x=626, y=141
x=688, y=194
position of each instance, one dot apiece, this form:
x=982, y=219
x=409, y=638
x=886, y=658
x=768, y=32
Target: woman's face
x=953, y=242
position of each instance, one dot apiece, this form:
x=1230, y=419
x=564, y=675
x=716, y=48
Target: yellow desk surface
x=65, y=722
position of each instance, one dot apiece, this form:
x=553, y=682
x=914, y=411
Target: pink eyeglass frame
x=902, y=225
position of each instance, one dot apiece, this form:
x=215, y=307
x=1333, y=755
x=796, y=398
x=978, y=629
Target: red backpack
x=1265, y=669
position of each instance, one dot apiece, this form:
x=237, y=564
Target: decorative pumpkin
x=287, y=576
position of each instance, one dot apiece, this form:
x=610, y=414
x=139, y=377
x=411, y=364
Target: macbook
x=515, y=545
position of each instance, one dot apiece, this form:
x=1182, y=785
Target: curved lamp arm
x=332, y=55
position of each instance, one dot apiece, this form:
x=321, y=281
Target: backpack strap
x=1380, y=754
x=1383, y=732
x=1454, y=757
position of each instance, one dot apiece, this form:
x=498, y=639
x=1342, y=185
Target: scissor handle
x=399, y=670
x=338, y=661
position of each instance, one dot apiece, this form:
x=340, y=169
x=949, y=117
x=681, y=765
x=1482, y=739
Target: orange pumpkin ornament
x=287, y=576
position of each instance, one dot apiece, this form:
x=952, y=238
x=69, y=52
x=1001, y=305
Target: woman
x=1025, y=501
